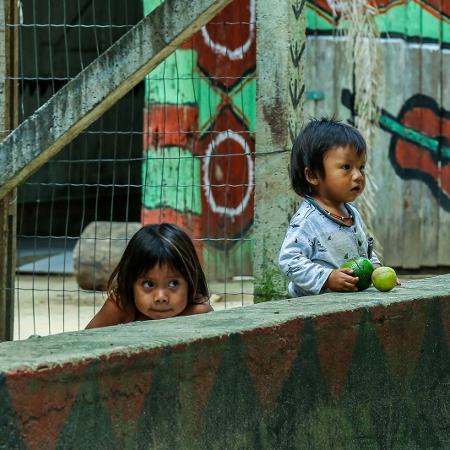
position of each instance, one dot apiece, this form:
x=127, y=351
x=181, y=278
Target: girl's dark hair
x=153, y=245
x=311, y=144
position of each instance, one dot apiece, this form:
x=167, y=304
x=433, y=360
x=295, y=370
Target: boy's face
x=344, y=178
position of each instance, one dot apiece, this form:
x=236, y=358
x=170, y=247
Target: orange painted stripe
x=170, y=125
x=191, y=223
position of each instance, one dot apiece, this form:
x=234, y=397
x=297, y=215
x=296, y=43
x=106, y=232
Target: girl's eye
x=147, y=284
x=345, y=166
x=173, y=283
x=363, y=168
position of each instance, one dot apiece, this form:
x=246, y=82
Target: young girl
x=159, y=276
x=327, y=168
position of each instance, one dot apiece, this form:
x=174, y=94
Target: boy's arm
x=371, y=255
x=295, y=262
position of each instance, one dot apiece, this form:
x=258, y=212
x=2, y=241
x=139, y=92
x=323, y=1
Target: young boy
x=327, y=168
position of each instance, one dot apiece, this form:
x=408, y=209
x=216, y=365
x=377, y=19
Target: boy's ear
x=311, y=177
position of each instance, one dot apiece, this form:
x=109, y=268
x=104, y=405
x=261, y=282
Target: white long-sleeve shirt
x=315, y=244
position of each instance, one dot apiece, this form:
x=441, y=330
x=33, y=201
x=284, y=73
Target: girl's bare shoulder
x=110, y=314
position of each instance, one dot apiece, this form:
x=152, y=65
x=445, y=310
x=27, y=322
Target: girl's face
x=344, y=178
x=160, y=293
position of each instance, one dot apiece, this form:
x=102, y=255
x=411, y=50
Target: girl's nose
x=161, y=296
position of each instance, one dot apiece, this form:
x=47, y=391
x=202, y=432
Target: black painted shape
x=161, y=422
x=215, y=80
x=416, y=173
x=296, y=55
x=232, y=418
x=296, y=93
x=10, y=438
x=372, y=399
x=88, y=425
x=429, y=408
x=293, y=424
x=292, y=131
x=298, y=8
x=408, y=173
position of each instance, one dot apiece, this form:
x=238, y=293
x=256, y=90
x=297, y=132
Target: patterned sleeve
x=374, y=258
x=295, y=258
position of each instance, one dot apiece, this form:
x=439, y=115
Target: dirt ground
x=49, y=304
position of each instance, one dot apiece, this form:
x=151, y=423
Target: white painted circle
x=220, y=138
x=237, y=53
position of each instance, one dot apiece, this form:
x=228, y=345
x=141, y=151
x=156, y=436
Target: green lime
x=362, y=268
x=384, y=278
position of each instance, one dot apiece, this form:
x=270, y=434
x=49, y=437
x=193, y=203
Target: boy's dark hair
x=153, y=245
x=311, y=144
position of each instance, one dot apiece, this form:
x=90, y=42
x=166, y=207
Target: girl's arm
x=109, y=314
x=197, y=308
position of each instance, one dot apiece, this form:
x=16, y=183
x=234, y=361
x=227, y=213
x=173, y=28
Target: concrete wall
x=358, y=371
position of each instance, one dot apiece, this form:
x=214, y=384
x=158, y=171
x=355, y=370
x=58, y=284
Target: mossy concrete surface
x=351, y=371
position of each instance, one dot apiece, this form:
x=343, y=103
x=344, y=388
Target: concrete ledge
x=364, y=370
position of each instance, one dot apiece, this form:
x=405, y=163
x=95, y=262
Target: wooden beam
x=94, y=90
x=9, y=14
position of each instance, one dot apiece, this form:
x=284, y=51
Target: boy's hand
x=342, y=280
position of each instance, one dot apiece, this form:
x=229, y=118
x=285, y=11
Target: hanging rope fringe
x=363, y=50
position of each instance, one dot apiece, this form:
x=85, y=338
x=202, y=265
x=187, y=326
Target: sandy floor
x=49, y=304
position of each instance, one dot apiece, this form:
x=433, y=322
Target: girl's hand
x=342, y=280
x=197, y=309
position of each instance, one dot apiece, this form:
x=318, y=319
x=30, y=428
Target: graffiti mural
x=420, y=144
x=199, y=125
x=200, y=115
x=412, y=20
x=410, y=154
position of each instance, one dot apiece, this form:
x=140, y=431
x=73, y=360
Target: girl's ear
x=311, y=177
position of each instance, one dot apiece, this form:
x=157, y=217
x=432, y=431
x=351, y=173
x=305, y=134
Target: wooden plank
x=85, y=98
x=325, y=52
x=411, y=224
x=429, y=204
x=443, y=236
x=391, y=203
x=8, y=211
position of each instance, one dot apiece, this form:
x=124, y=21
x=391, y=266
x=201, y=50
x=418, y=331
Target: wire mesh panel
x=95, y=178
x=178, y=148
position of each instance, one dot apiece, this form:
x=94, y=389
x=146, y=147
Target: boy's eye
x=173, y=283
x=147, y=284
x=345, y=166
x=362, y=168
